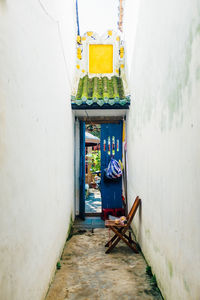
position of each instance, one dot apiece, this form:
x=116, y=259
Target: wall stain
x=148, y=233
x=2, y=128
x=198, y=29
x=181, y=81
x=186, y=286
x=198, y=73
x=170, y=268
x=156, y=249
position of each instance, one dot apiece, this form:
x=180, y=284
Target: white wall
x=97, y=16
x=130, y=22
x=36, y=143
x=164, y=143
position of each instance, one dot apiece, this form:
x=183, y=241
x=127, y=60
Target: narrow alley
x=99, y=135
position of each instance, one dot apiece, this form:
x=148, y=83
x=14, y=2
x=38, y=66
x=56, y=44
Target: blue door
x=111, y=146
x=82, y=170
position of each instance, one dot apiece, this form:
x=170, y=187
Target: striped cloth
x=114, y=170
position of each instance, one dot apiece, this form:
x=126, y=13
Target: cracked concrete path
x=87, y=273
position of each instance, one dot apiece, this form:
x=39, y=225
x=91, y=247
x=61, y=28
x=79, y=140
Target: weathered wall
x=36, y=143
x=164, y=143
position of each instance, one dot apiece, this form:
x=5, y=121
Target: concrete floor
x=87, y=273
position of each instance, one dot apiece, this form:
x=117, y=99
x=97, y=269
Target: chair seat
x=109, y=223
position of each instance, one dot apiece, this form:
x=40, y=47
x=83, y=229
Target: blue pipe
x=77, y=18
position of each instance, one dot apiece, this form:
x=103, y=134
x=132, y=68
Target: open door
x=111, y=146
x=82, y=170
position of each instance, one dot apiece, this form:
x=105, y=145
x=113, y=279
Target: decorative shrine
x=100, y=80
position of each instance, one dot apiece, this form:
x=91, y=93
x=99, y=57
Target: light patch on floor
x=93, y=201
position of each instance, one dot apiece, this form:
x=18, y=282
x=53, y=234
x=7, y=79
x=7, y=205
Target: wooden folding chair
x=121, y=229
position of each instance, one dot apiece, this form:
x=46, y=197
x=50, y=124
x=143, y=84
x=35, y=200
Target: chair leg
x=120, y=236
x=117, y=238
x=129, y=238
x=112, y=246
x=132, y=246
x=112, y=239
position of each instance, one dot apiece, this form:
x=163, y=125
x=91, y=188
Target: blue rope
x=77, y=18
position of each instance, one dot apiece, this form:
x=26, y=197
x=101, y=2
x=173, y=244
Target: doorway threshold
x=89, y=223
x=93, y=214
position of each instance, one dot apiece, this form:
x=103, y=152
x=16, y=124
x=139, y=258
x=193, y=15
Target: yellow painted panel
x=100, y=59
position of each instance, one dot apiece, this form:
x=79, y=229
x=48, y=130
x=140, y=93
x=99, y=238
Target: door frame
x=77, y=154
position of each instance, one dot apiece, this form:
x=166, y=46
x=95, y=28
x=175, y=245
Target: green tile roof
x=100, y=91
